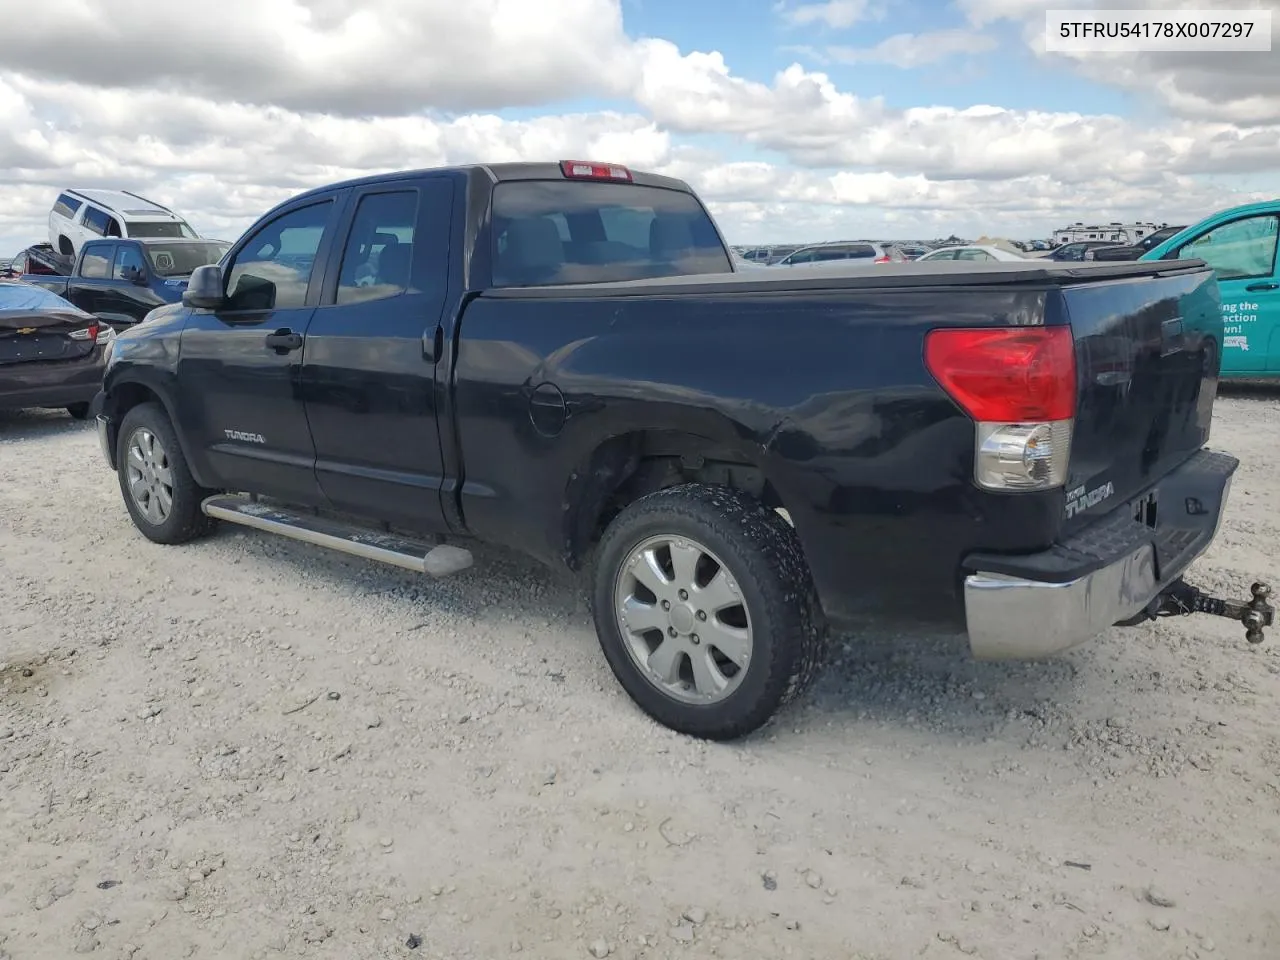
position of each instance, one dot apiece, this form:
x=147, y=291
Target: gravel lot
x=249, y=748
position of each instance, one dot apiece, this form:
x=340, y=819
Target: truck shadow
x=1262, y=389
x=38, y=424
x=904, y=675
x=920, y=676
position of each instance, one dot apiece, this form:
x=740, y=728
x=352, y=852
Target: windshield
x=550, y=232
x=179, y=259
x=27, y=296
x=169, y=229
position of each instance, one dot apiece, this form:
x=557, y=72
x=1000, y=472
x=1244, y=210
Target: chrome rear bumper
x=1021, y=613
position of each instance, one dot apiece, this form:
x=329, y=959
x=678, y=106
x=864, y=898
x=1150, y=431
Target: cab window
x=273, y=269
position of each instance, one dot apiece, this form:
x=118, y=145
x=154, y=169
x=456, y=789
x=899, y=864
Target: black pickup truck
x=560, y=359
x=121, y=281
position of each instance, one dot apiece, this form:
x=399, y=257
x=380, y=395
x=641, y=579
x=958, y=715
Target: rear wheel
x=159, y=491
x=706, y=610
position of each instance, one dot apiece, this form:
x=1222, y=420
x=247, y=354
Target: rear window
x=551, y=232
x=165, y=229
x=180, y=259
x=27, y=296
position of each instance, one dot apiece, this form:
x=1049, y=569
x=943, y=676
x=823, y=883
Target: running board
x=438, y=561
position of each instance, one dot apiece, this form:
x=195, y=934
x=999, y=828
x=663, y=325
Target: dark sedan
x=52, y=353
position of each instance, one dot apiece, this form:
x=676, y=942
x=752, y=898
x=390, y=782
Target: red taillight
x=586, y=170
x=1006, y=375
x=89, y=333
x=883, y=260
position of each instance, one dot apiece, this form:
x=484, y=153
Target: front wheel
x=706, y=610
x=159, y=491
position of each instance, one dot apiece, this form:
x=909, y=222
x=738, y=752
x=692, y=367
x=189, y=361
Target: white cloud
x=371, y=57
x=836, y=14
x=1239, y=88
x=222, y=130
x=907, y=50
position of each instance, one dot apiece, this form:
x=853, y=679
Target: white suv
x=80, y=215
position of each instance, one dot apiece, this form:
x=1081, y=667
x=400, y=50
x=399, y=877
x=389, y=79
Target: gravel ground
x=250, y=748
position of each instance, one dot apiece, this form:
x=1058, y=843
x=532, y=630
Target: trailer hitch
x=1181, y=599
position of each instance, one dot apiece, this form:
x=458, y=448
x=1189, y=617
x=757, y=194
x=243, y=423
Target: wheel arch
x=125, y=394
x=624, y=467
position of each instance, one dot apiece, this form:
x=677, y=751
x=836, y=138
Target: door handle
x=283, y=341
x=1265, y=285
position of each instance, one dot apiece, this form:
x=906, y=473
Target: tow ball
x=1181, y=599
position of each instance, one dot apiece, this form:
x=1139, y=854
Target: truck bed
x=930, y=274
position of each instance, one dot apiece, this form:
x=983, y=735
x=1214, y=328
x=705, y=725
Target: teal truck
x=1240, y=245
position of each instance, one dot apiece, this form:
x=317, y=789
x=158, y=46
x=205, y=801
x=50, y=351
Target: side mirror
x=204, y=290
x=135, y=275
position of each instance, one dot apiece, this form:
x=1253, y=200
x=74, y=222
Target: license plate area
x=1145, y=509
x=22, y=347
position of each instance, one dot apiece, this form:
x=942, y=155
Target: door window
x=95, y=264
x=973, y=255
x=1239, y=250
x=378, y=259
x=95, y=221
x=273, y=268
x=128, y=263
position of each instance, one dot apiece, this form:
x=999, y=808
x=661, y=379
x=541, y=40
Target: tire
x=78, y=410
x=768, y=579
x=183, y=520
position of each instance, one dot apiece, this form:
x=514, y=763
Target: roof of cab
x=496, y=172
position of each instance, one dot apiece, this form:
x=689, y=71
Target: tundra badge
x=246, y=437
x=1078, y=501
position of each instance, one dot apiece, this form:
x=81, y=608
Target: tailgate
x=1147, y=357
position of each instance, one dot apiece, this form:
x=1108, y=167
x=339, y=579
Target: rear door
x=239, y=373
x=369, y=365
x=1242, y=252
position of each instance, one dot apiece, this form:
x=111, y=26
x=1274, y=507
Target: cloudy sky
x=795, y=120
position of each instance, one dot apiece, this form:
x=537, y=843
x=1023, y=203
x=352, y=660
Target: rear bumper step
x=439, y=560
x=1112, y=573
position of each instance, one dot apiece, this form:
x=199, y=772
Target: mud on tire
x=762, y=555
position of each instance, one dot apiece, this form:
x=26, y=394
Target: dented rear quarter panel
x=825, y=392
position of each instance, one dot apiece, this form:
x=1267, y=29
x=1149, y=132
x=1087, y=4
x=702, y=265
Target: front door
x=126, y=300
x=88, y=286
x=369, y=363
x=238, y=375
x=1243, y=254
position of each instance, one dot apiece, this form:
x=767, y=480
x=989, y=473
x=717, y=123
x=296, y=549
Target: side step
x=439, y=560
